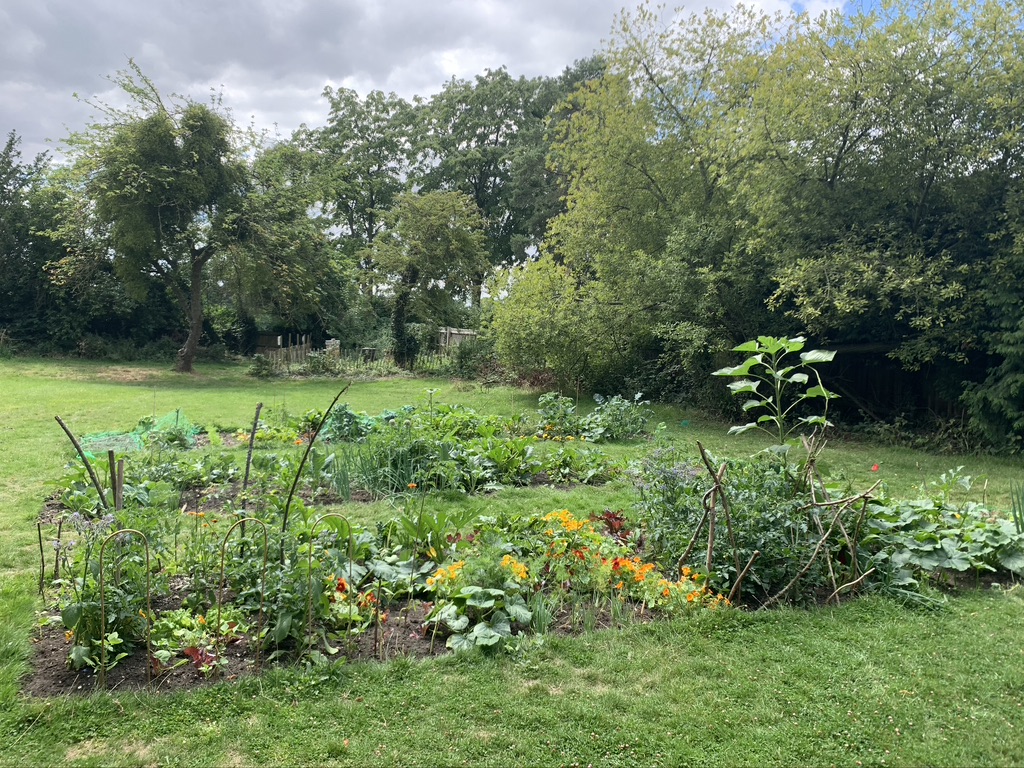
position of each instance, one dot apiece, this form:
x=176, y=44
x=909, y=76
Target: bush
x=477, y=358
x=320, y=364
x=770, y=513
x=262, y=367
x=616, y=418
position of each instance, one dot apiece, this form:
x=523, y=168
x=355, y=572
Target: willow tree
x=160, y=187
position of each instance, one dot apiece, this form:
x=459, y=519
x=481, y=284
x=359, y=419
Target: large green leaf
x=951, y=556
x=739, y=370
x=744, y=385
x=740, y=429
x=1012, y=560
x=518, y=612
x=71, y=615
x=817, y=356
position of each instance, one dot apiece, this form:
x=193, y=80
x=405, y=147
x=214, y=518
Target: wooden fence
x=291, y=350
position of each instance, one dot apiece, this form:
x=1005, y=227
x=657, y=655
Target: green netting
x=173, y=430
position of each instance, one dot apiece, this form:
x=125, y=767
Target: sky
x=271, y=59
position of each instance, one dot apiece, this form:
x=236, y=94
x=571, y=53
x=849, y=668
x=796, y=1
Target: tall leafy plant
x=779, y=378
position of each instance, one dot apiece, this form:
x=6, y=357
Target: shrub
x=616, y=418
x=262, y=367
x=769, y=512
x=319, y=364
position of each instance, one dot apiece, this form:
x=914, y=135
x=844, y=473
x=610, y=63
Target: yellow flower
x=517, y=568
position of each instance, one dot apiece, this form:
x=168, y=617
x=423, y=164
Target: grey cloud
x=272, y=58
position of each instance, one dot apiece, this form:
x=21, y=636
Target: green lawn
x=870, y=683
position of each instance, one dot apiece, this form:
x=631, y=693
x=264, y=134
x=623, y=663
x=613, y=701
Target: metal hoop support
x=102, y=676
x=309, y=566
x=263, y=582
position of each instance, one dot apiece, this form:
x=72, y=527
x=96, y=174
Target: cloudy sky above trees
x=272, y=58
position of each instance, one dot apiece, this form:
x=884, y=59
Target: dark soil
x=402, y=632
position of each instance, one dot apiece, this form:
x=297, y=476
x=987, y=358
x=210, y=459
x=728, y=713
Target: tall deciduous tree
x=163, y=183
x=431, y=251
x=359, y=162
x=22, y=253
x=488, y=139
x=281, y=268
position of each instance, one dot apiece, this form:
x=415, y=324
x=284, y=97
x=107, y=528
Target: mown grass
x=871, y=682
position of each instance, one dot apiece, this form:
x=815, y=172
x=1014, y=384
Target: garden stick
x=248, y=467
x=56, y=557
x=782, y=593
x=302, y=463
x=739, y=579
x=119, y=495
x=693, y=540
x=42, y=558
x=248, y=458
x=718, y=478
x=828, y=557
x=852, y=584
x=848, y=501
x=85, y=460
x=711, y=528
x=112, y=468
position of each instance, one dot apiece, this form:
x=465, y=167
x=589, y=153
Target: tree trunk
x=187, y=354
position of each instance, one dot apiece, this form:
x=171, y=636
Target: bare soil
x=402, y=633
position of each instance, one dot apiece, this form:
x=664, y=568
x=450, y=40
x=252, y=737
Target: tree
x=22, y=254
x=488, y=139
x=162, y=183
x=358, y=163
x=432, y=250
x=280, y=267
x=540, y=323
